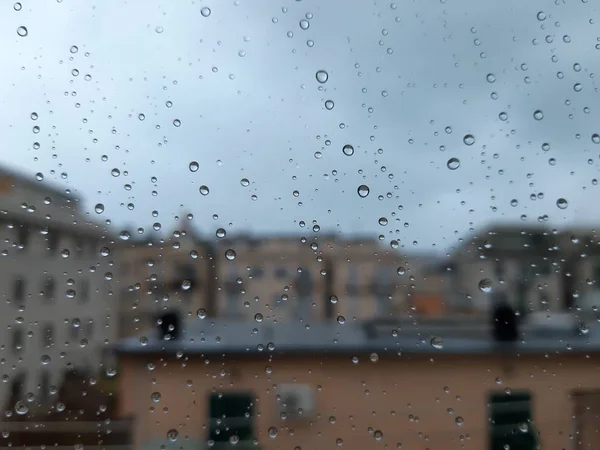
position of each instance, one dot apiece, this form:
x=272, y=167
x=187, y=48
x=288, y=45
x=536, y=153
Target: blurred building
x=159, y=274
x=289, y=278
x=57, y=312
x=357, y=386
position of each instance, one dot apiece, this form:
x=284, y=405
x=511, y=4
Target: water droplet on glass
x=186, y=285
x=341, y=320
x=99, y=208
x=400, y=270
x=348, y=150
x=541, y=16
x=383, y=221
x=115, y=172
x=21, y=408
x=490, y=78
x=172, y=434
x=201, y=313
x=538, y=114
x=221, y=233
x=437, y=342
x=204, y=190
x=374, y=357
x=39, y=176
x=322, y=76
x=333, y=299
x=65, y=253
x=194, y=166
x=304, y=24
x=244, y=182
x=177, y=122
x=562, y=203
x=596, y=138
x=159, y=29
x=363, y=191
x=155, y=397
x=272, y=432
x=205, y=11
x=258, y=317
x=485, y=285
x=469, y=139
x=22, y=31
x=378, y=435
x=17, y=6
x=230, y=254
x=453, y=163
x=459, y=421
x=329, y=104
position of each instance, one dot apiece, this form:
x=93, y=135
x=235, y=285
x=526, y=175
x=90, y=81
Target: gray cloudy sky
x=242, y=82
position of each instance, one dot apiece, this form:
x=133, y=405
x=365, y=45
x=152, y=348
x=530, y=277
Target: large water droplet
x=329, y=104
x=322, y=76
x=155, y=397
x=21, y=408
x=22, y=31
x=485, y=285
x=172, y=434
x=194, y=166
x=205, y=11
x=304, y=24
x=562, y=203
x=230, y=254
x=469, y=139
x=245, y=182
x=538, y=114
x=204, y=190
x=453, y=163
x=99, y=208
x=437, y=342
x=363, y=191
x=348, y=150
x=221, y=233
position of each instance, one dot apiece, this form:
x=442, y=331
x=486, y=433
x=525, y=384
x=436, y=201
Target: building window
x=49, y=289
x=53, y=239
x=17, y=340
x=258, y=272
x=587, y=417
x=19, y=289
x=44, y=386
x=281, y=273
x=499, y=269
x=231, y=415
x=48, y=335
x=511, y=424
x=84, y=291
x=24, y=233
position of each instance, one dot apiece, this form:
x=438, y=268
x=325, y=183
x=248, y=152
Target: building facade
x=57, y=310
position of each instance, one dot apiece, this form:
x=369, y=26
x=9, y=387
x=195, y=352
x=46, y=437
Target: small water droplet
x=469, y=139
x=99, y=208
x=205, y=11
x=39, y=176
x=258, y=317
x=437, y=342
x=541, y=16
x=201, y=313
x=401, y=270
x=459, y=421
x=245, y=182
x=490, y=78
x=115, y=172
x=230, y=254
x=329, y=105
x=22, y=31
x=348, y=150
x=341, y=320
x=538, y=114
x=596, y=138
x=304, y=24
x=194, y=166
x=383, y=221
x=155, y=397
x=177, y=122
x=172, y=434
x=159, y=29
x=17, y=6
x=204, y=190
x=21, y=408
x=221, y=233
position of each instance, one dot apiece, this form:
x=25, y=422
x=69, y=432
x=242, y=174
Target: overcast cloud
x=242, y=82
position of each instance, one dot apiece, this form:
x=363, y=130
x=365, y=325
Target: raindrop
x=65, y=253
x=514, y=202
x=230, y=254
x=22, y=31
x=99, y=208
x=329, y=104
x=541, y=16
x=21, y=408
x=400, y=270
x=503, y=116
x=177, y=122
x=490, y=78
x=304, y=24
x=322, y=76
x=258, y=317
x=459, y=421
x=437, y=342
x=39, y=176
x=383, y=221
x=17, y=6
x=221, y=233
x=155, y=397
x=205, y=11
x=201, y=313
x=172, y=434
x=562, y=203
x=244, y=182
x=596, y=138
x=348, y=150
x=115, y=172
x=378, y=435
x=34, y=116
x=272, y=432
x=186, y=285
x=485, y=285
x=341, y=320
x=469, y=139
x=159, y=29
x=453, y=163
x=363, y=191
x=204, y=190
x=333, y=299
x=141, y=116
x=374, y=357
x=538, y=114
x=194, y=166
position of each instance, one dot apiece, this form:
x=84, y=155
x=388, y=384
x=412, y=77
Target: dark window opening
x=19, y=289
x=231, y=415
x=281, y=273
x=17, y=340
x=49, y=289
x=511, y=422
x=53, y=240
x=24, y=233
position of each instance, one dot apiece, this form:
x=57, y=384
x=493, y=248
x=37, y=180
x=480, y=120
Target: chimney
x=505, y=323
x=169, y=326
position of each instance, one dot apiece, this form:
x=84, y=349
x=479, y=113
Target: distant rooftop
x=204, y=337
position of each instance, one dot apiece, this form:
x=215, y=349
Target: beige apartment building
x=57, y=308
x=244, y=385
x=280, y=278
x=534, y=269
